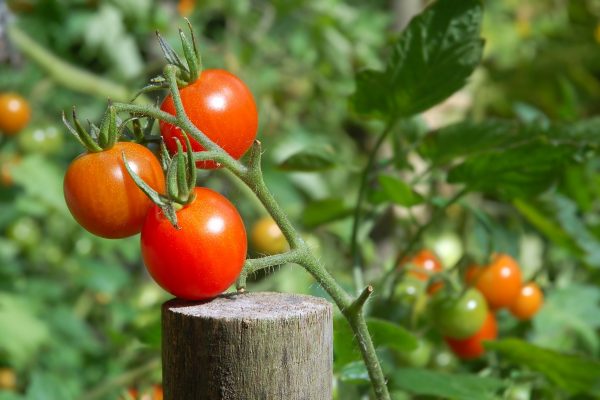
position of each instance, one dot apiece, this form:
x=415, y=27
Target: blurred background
x=80, y=318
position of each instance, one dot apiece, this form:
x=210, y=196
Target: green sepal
x=182, y=182
x=108, y=134
x=170, y=54
x=165, y=157
x=81, y=134
x=191, y=165
x=172, y=186
x=165, y=204
x=190, y=56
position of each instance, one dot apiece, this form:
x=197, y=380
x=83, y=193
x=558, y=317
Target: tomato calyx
x=188, y=71
x=180, y=173
x=98, y=138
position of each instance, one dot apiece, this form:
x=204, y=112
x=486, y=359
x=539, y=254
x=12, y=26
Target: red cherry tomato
x=500, y=282
x=204, y=257
x=528, y=302
x=14, y=113
x=102, y=196
x=222, y=107
x=472, y=347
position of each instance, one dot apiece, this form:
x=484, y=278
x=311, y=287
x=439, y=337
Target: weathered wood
x=253, y=346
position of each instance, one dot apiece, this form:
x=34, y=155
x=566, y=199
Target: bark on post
x=253, y=346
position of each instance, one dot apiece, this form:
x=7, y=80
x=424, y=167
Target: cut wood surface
x=250, y=346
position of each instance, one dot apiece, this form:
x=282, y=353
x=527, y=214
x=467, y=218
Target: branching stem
x=251, y=175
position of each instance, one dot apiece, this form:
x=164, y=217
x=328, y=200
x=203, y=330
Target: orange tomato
x=472, y=347
x=267, y=238
x=425, y=264
x=500, y=281
x=528, y=302
x=14, y=113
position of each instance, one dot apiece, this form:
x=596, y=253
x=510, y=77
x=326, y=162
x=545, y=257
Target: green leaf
x=21, y=331
x=322, y=211
x=385, y=334
x=445, y=385
x=396, y=191
x=354, y=372
x=390, y=335
x=575, y=374
x=309, y=160
x=522, y=171
x=569, y=319
x=431, y=60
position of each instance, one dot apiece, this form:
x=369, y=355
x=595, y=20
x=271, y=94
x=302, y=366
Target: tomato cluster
x=465, y=313
x=202, y=255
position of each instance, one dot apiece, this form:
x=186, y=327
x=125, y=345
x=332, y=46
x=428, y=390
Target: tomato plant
x=459, y=316
x=222, y=107
x=528, y=302
x=101, y=195
x=202, y=258
x=499, y=282
x=267, y=238
x=14, y=113
x=472, y=346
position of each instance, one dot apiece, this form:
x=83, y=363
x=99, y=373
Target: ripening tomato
x=204, y=257
x=101, y=195
x=267, y=238
x=472, y=347
x=425, y=264
x=459, y=317
x=500, y=281
x=222, y=107
x=528, y=302
x=7, y=162
x=8, y=379
x=14, y=113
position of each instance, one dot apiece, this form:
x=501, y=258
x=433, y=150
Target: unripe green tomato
x=459, y=317
x=447, y=246
x=444, y=360
x=25, y=231
x=42, y=140
x=409, y=289
x=419, y=357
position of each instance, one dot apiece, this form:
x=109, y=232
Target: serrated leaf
x=396, y=191
x=575, y=374
x=523, y=171
x=327, y=210
x=446, y=385
x=431, y=60
x=309, y=160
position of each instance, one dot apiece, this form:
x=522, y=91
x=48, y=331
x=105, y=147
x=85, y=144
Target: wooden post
x=253, y=346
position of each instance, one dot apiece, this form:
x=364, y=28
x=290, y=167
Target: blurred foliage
x=79, y=317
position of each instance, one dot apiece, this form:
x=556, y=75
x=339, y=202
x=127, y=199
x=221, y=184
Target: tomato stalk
x=251, y=175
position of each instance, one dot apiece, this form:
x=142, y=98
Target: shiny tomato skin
x=500, y=281
x=222, y=107
x=14, y=113
x=204, y=257
x=472, y=347
x=425, y=264
x=528, y=303
x=459, y=317
x=101, y=195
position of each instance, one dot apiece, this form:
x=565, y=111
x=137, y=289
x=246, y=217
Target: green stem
x=357, y=267
x=69, y=75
